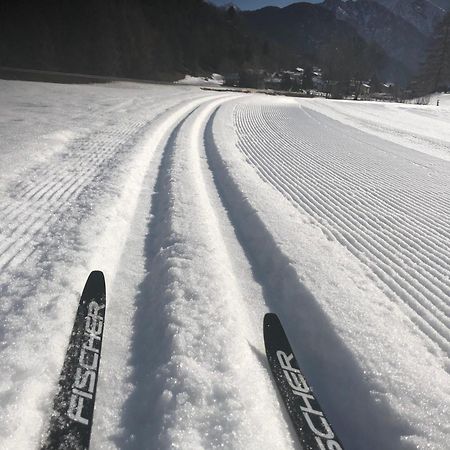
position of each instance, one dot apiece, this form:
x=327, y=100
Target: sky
x=256, y=4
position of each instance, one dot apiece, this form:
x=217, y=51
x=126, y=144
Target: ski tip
x=97, y=274
x=95, y=284
x=271, y=319
x=271, y=324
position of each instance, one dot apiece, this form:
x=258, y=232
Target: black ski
x=313, y=429
x=73, y=407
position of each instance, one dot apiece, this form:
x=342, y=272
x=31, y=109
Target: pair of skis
x=73, y=408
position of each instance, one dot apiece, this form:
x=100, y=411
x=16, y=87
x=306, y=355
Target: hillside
x=401, y=40
x=422, y=14
x=318, y=37
x=161, y=39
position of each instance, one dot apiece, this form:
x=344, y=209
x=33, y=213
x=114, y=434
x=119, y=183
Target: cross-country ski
x=73, y=407
x=311, y=425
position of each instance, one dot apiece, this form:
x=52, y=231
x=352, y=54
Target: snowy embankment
x=205, y=211
x=214, y=80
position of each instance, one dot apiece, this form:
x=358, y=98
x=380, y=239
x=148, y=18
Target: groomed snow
x=205, y=211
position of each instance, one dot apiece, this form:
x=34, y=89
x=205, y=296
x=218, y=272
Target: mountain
x=400, y=39
x=318, y=37
x=444, y=4
x=423, y=14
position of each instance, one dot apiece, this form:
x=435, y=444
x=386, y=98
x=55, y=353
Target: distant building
x=273, y=81
x=231, y=79
x=285, y=80
x=252, y=78
x=317, y=79
x=365, y=89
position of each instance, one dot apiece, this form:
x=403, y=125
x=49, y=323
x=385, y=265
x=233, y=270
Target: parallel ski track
x=180, y=313
x=395, y=219
x=51, y=192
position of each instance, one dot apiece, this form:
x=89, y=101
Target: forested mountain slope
x=137, y=38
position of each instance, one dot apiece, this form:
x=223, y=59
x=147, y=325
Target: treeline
x=148, y=39
x=435, y=71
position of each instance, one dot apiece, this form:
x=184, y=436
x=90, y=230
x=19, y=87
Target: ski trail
x=125, y=273
x=57, y=214
x=377, y=223
x=193, y=338
x=205, y=211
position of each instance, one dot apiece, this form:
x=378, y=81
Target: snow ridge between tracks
x=197, y=381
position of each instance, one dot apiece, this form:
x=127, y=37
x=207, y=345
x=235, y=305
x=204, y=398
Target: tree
x=286, y=82
x=435, y=73
x=308, y=78
x=231, y=13
x=375, y=84
x=149, y=39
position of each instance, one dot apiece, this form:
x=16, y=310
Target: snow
x=205, y=211
x=214, y=80
x=422, y=128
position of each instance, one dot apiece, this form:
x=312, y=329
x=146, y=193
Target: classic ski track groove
x=180, y=206
x=29, y=187
x=39, y=206
x=97, y=146
x=412, y=266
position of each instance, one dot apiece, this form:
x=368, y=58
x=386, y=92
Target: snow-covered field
x=205, y=211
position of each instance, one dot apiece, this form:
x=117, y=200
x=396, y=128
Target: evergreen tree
x=435, y=73
x=308, y=78
x=149, y=39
